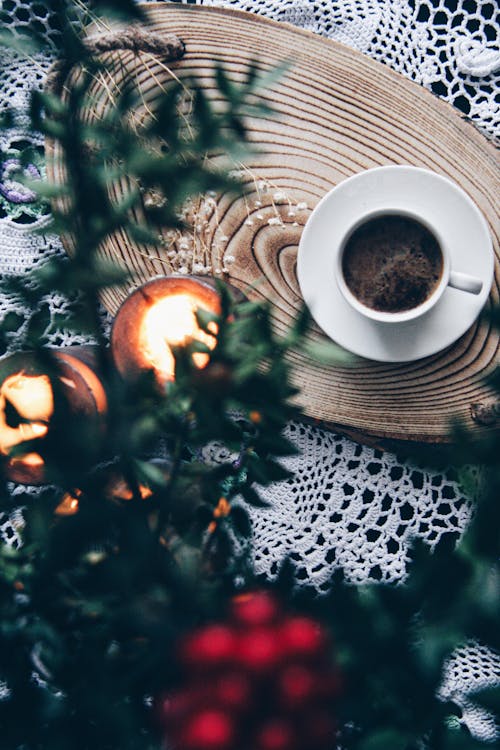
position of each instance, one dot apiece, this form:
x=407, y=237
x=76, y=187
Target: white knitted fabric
x=470, y=669
x=351, y=507
x=449, y=46
x=346, y=506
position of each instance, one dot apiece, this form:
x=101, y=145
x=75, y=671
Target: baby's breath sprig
x=200, y=246
x=267, y=194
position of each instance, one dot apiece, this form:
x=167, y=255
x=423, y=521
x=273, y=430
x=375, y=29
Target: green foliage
x=94, y=603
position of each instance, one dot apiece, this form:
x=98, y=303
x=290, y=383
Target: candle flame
x=172, y=322
x=69, y=504
x=31, y=395
x=119, y=489
x=68, y=382
x=29, y=459
x=32, y=398
x=33, y=430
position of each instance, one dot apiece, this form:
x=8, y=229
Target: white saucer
x=441, y=203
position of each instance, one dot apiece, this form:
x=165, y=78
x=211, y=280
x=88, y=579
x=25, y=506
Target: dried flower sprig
x=200, y=246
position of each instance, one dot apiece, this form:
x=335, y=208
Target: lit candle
x=31, y=396
x=160, y=315
x=114, y=487
x=26, y=394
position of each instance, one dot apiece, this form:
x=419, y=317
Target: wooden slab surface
x=336, y=113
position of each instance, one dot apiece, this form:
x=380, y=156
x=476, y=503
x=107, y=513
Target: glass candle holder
x=159, y=316
x=28, y=406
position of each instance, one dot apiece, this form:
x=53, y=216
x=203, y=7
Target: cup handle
x=465, y=283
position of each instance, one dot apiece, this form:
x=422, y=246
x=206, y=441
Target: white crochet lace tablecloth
x=347, y=505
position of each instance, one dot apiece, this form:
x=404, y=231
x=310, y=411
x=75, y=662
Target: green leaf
x=119, y=9
x=385, y=739
x=7, y=119
x=252, y=497
x=23, y=45
x=252, y=73
x=108, y=273
x=198, y=346
x=266, y=79
x=300, y=326
x=142, y=234
x=275, y=445
x=52, y=128
x=11, y=322
x=52, y=103
x=12, y=416
x=275, y=472
x=326, y=352
x=224, y=84
x=150, y=474
x=489, y=698
x=45, y=190
x=127, y=202
x=265, y=471
x=39, y=324
x=459, y=738
x=241, y=521
x=206, y=319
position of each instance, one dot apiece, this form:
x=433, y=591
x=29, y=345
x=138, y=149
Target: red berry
x=259, y=608
x=259, y=650
x=276, y=734
x=297, y=685
x=302, y=636
x=212, y=646
x=210, y=729
x=233, y=690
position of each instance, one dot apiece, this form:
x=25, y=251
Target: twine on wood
x=137, y=39
x=134, y=38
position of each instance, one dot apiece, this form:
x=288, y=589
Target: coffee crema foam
x=392, y=263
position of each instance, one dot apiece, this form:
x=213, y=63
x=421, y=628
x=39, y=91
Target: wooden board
x=336, y=113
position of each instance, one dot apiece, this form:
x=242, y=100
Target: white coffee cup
x=449, y=277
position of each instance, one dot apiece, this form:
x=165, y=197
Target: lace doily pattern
x=23, y=216
x=11, y=526
x=351, y=507
x=452, y=48
x=21, y=159
x=25, y=18
x=470, y=669
x=18, y=77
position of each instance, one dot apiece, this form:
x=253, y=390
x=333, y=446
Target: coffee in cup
x=392, y=263
x=392, y=266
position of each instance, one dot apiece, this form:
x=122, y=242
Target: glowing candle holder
x=160, y=315
x=114, y=487
x=27, y=405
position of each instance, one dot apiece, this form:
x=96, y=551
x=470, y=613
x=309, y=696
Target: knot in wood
x=486, y=412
